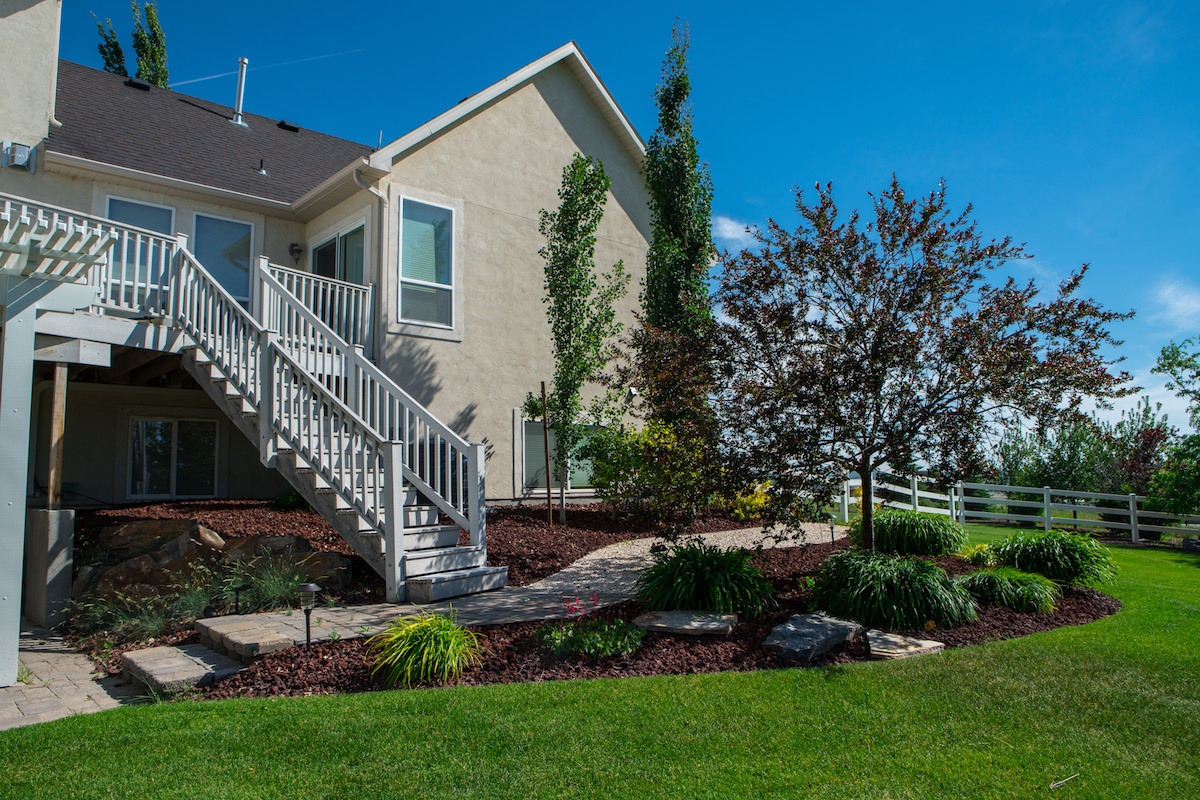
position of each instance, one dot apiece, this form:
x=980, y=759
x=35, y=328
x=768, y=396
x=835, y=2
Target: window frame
x=135, y=419
x=335, y=235
x=108, y=198
x=253, y=250
x=453, y=287
x=528, y=490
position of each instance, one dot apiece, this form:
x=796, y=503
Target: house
x=203, y=302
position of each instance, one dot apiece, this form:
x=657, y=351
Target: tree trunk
x=868, y=506
x=564, y=472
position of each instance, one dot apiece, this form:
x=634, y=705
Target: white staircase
x=292, y=376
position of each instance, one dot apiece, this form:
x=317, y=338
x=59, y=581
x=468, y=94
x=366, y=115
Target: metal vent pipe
x=241, y=92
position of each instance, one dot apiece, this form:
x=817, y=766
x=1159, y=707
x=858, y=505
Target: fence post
x=1133, y=518
x=1047, y=512
x=916, y=500
x=961, y=504
x=846, y=502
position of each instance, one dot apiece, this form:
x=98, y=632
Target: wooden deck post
x=58, y=424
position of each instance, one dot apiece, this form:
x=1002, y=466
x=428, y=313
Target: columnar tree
x=580, y=305
x=677, y=309
x=1180, y=362
x=852, y=343
x=149, y=46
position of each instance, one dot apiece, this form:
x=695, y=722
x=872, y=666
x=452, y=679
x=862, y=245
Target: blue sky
x=1071, y=126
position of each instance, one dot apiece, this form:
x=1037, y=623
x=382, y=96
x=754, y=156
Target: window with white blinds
x=426, y=263
x=580, y=476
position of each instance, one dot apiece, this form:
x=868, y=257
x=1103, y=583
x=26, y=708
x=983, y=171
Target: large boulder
x=143, y=536
x=805, y=637
x=171, y=563
x=249, y=547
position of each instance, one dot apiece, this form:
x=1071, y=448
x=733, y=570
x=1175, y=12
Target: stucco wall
x=97, y=445
x=28, y=64
x=498, y=169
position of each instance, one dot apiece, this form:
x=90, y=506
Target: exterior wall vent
x=19, y=156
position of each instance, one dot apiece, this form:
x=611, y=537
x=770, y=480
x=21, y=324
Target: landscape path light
x=308, y=598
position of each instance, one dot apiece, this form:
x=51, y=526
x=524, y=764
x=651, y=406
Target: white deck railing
x=345, y=307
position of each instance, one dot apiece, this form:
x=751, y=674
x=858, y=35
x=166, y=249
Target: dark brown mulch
x=513, y=653
x=520, y=538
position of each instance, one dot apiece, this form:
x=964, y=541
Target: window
x=173, y=458
x=129, y=256
x=426, y=268
x=342, y=256
x=580, y=476
x=223, y=247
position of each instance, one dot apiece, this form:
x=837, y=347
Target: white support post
x=368, y=325
x=354, y=380
x=393, y=529
x=916, y=499
x=476, y=502
x=266, y=398
x=950, y=504
x=846, y=502
x=1047, y=512
x=256, y=288
x=175, y=281
x=1133, y=518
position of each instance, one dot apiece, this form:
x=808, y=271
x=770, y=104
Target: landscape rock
x=330, y=570
x=691, y=623
x=246, y=548
x=143, y=536
x=807, y=636
x=892, y=645
x=171, y=563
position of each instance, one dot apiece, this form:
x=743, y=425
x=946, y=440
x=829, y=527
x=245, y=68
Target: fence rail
x=897, y=492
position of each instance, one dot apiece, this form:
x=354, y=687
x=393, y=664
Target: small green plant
x=1005, y=586
x=124, y=618
x=750, y=506
x=595, y=638
x=425, y=648
x=334, y=636
x=1065, y=558
x=905, y=532
x=701, y=577
x=978, y=554
x=888, y=591
x=271, y=580
x=25, y=675
x=291, y=500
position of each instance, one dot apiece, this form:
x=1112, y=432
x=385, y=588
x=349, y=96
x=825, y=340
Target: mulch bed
x=513, y=653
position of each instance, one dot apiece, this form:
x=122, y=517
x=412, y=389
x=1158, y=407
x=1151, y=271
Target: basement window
x=579, y=476
x=172, y=458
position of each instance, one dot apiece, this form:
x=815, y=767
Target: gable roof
x=165, y=133
x=570, y=55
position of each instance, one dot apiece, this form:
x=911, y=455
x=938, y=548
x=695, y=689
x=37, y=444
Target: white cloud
x=1177, y=305
x=731, y=234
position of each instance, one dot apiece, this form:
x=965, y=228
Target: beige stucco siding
x=498, y=169
x=28, y=58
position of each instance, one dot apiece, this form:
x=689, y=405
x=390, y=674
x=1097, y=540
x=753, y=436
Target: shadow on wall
x=411, y=363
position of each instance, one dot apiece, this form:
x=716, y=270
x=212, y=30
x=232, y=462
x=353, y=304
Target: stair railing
x=345, y=307
x=296, y=406
x=439, y=463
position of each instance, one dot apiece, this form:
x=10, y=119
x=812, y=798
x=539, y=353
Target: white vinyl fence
x=1050, y=507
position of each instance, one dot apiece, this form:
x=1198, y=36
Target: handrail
x=436, y=460
x=346, y=307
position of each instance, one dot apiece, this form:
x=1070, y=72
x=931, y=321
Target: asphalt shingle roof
x=166, y=133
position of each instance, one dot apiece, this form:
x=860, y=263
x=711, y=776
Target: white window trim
x=401, y=280
x=134, y=419
x=534, y=491
x=331, y=232
x=108, y=198
x=254, y=250
x=397, y=194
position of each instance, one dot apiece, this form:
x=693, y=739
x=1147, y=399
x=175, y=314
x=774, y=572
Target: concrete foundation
x=49, y=542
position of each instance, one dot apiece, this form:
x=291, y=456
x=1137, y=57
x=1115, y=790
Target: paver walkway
x=63, y=681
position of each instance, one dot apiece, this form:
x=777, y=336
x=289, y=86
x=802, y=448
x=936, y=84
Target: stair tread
x=442, y=577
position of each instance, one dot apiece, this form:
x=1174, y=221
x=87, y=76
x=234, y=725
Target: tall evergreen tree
x=110, y=49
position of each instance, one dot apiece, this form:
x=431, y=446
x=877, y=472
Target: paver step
x=431, y=588
x=171, y=670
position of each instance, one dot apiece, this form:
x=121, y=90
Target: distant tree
x=149, y=46
x=110, y=49
x=669, y=347
x=1175, y=488
x=852, y=344
x=580, y=307
x=1180, y=362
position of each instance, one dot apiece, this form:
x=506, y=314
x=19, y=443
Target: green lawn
x=1116, y=701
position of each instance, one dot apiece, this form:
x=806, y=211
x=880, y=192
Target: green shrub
x=905, y=532
x=271, y=582
x=700, y=577
x=1065, y=558
x=125, y=619
x=657, y=474
x=291, y=500
x=889, y=591
x=749, y=506
x=595, y=638
x=1004, y=586
x=978, y=554
x=425, y=648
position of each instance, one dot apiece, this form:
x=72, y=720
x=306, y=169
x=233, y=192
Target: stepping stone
x=170, y=670
x=807, y=636
x=893, y=645
x=692, y=623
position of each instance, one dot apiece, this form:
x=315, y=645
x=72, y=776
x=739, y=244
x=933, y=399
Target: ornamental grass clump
x=1065, y=558
x=887, y=591
x=425, y=648
x=1012, y=588
x=905, y=532
x=701, y=577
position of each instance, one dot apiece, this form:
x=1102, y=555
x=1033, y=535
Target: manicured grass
x=1115, y=701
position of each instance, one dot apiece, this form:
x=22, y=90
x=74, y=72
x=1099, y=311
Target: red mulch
x=513, y=653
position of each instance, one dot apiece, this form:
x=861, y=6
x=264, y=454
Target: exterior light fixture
x=308, y=598
x=295, y=250
x=237, y=597
x=831, y=529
